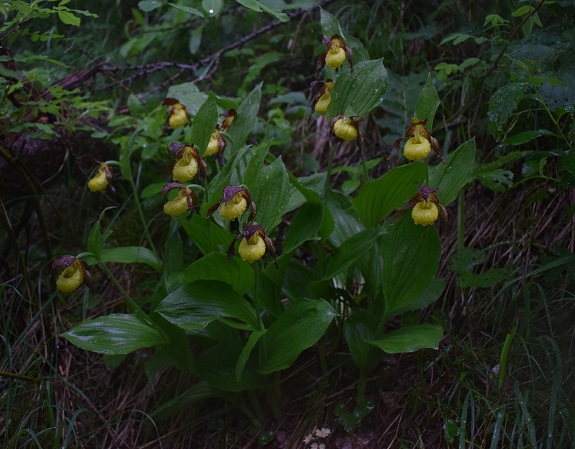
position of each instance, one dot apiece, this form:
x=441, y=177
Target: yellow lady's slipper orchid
x=336, y=52
x=420, y=142
x=71, y=278
x=235, y=201
x=424, y=213
x=252, y=249
x=75, y=273
x=186, y=168
x=324, y=100
x=426, y=208
x=345, y=130
x=185, y=200
x=417, y=148
x=213, y=145
x=234, y=208
x=101, y=180
x=253, y=245
x=189, y=162
x=178, y=114
x=177, y=206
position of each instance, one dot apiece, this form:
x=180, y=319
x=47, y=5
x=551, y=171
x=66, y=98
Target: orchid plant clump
x=250, y=318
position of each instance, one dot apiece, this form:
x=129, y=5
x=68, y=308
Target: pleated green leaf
x=194, y=305
x=410, y=339
x=410, y=261
x=377, y=199
x=449, y=179
x=359, y=92
x=298, y=328
x=217, y=267
x=115, y=334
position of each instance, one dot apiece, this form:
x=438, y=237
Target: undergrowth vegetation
x=276, y=224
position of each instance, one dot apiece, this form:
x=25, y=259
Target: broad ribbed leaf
x=204, y=123
x=246, y=118
x=449, y=179
x=206, y=235
x=359, y=92
x=350, y=251
x=193, y=306
x=410, y=339
x=410, y=260
x=503, y=103
x=298, y=328
x=176, y=405
x=246, y=352
x=427, y=103
x=189, y=95
x=255, y=166
x=304, y=226
x=358, y=328
x=217, y=267
x=218, y=364
x=131, y=254
x=380, y=197
x=115, y=334
x=271, y=194
x=344, y=220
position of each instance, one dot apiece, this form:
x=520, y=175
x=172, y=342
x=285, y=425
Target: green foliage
x=342, y=267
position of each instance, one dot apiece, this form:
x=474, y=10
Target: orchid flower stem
x=321, y=355
x=361, y=383
x=257, y=280
x=131, y=303
x=272, y=395
x=461, y=220
x=364, y=164
x=329, y=166
x=141, y=215
x=427, y=172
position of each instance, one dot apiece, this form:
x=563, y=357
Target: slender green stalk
x=329, y=167
x=273, y=394
x=131, y=303
x=552, y=118
x=256, y=297
x=461, y=220
x=141, y=215
x=361, y=383
x=426, y=172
